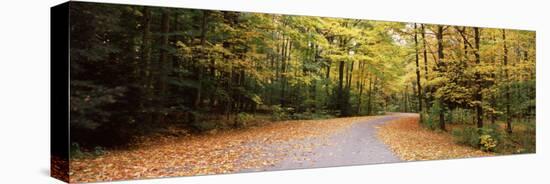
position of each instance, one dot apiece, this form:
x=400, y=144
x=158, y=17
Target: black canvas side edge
x=59, y=91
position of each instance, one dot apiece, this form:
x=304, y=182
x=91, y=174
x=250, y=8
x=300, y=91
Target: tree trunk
x=146, y=65
x=165, y=66
x=360, y=86
x=340, y=100
x=350, y=75
x=442, y=117
x=198, y=97
x=441, y=56
x=369, y=100
x=328, y=81
x=425, y=57
x=418, y=84
x=406, y=99
x=478, y=95
x=507, y=85
x=285, y=53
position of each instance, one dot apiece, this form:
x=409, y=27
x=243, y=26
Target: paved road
x=357, y=145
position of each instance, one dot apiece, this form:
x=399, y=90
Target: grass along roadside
x=407, y=139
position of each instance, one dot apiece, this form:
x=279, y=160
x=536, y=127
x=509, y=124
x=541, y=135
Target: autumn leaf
x=411, y=142
x=226, y=151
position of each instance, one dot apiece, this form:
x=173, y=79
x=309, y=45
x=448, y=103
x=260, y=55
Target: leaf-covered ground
x=222, y=152
x=411, y=142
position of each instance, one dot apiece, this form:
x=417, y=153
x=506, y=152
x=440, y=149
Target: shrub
x=322, y=115
x=280, y=113
x=487, y=143
x=77, y=151
x=429, y=121
x=467, y=136
x=308, y=115
x=528, y=139
x=492, y=131
x=522, y=140
x=242, y=119
x=202, y=125
x=304, y=115
x=486, y=139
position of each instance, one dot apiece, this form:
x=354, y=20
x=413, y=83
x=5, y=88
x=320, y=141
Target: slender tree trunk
x=441, y=57
x=465, y=43
x=406, y=99
x=327, y=77
x=228, y=74
x=165, y=66
x=425, y=57
x=348, y=88
x=340, y=100
x=273, y=66
x=507, y=85
x=478, y=95
x=418, y=84
x=280, y=51
x=369, y=100
x=424, y=51
x=342, y=84
x=360, y=86
x=286, y=50
x=314, y=83
x=146, y=63
x=350, y=75
x=204, y=30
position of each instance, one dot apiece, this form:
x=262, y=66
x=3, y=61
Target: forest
x=137, y=70
x=160, y=91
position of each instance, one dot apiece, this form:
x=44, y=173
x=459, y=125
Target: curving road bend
x=357, y=145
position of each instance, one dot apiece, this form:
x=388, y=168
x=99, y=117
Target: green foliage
x=126, y=79
x=204, y=126
x=486, y=138
x=242, y=119
x=205, y=123
x=527, y=138
x=130, y=76
x=76, y=151
x=89, y=103
x=522, y=140
x=491, y=130
x=201, y=124
x=431, y=118
x=487, y=142
x=460, y=116
x=311, y=115
x=427, y=120
x=467, y=136
x=280, y=113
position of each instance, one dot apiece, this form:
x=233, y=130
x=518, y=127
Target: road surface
x=357, y=145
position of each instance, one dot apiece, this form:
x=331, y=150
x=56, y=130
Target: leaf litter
x=227, y=151
x=411, y=142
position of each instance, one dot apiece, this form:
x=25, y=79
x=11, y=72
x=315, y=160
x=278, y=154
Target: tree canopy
x=135, y=68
